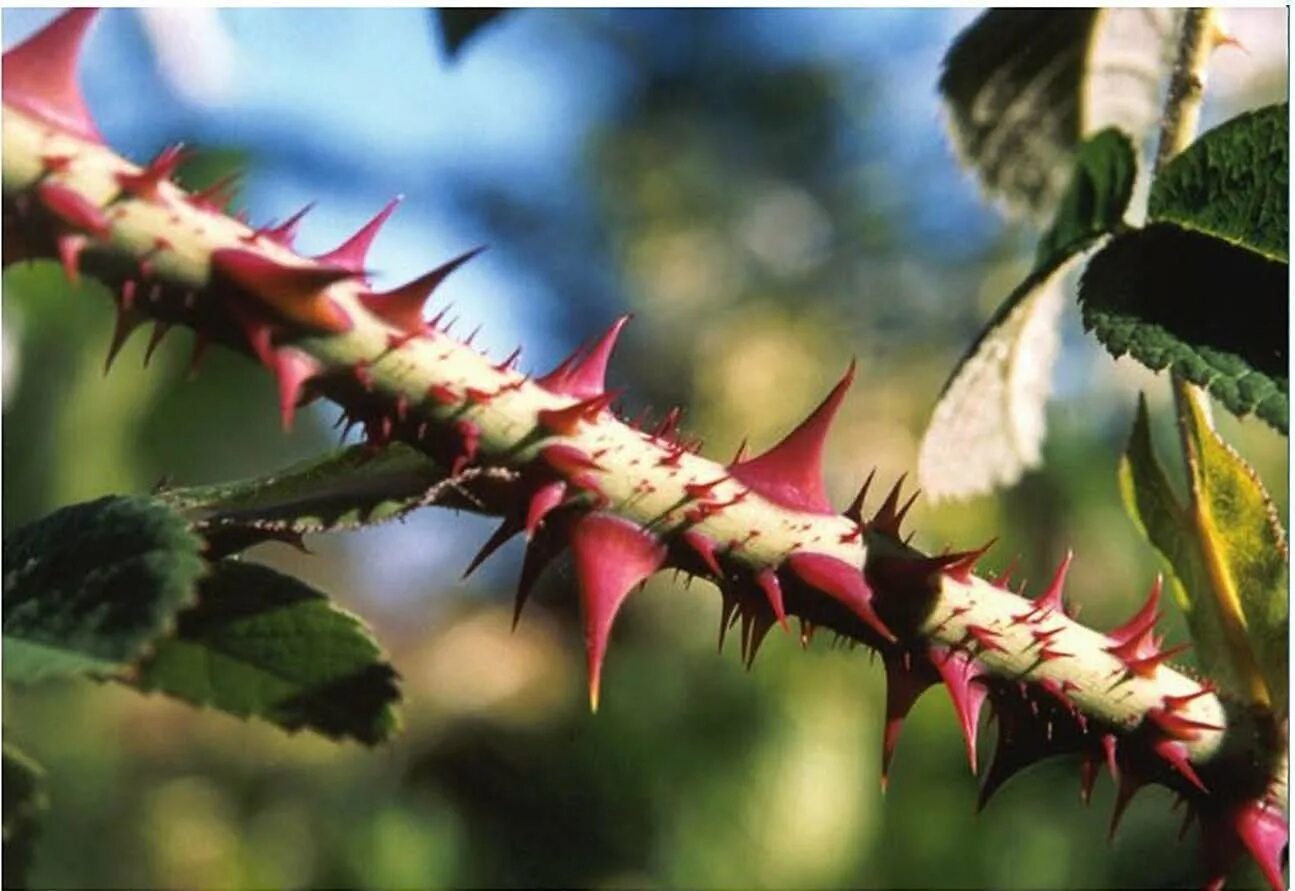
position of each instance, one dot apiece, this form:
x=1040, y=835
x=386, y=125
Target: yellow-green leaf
x=1226, y=553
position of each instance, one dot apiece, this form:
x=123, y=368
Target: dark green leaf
x=459, y=24
x=263, y=644
x=1024, y=87
x=1212, y=312
x=24, y=806
x=351, y=488
x=1232, y=183
x=989, y=423
x=88, y=587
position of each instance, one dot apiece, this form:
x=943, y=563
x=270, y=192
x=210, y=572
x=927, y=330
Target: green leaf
x=1024, y=87
x=1211, y=312
x=348, y=489
x=459, y=24
x=1226, y=556
x=989, y=422
x=265, y=645
x=1232, y=183
x=88, y=587
x=25, y=804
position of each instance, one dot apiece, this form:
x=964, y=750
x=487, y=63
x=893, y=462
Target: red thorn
x=145, y=183
x=402, y=307
x=669, y=424
x=72, y=208
x=1128, y=785
x=564, y=421
x=1176, y=726
x=549, y=541
x=568, y=460
x=1143, y=621
x=505, y=531
x=842, y=582
x=292, y=368
x=583, y=374
x=960, y=674
x=40, y=75
x=1263, y=831
x=160, y=330
x=611, y=557
x=286, y=232
x=509, y=361
x=1175, y=754
x=960, y=566
x=469, y=440
x=1110, y=746
x=704, y=547
x=1088, y=768
x=767, y=579
x=352, y=253
x=906, y=680
x=986, y=638
x=218, y=195
x=1051, y=600
x=296, y=292
x=791, y=473
x=441, y=395
x=702, y=490
x=855, y=510
x=542, y=500
x=69, y=254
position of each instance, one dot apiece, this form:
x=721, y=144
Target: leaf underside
x=262, y=644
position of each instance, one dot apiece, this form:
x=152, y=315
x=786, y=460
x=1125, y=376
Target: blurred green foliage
x=761, y=245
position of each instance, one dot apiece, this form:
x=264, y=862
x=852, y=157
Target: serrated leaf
x=88, y=587
x=25, y=804
x=1226, y=556
x=1024, y=87
x=1232, y=183
x=989, y=423
x=460, y=24
x=262, y=644
x=1244, y=547
x=348, y=489
x=1214, y=313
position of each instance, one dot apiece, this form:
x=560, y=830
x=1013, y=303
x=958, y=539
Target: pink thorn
x=402, y=307
x=1265, y=834
x=960, y=676
x=767, y=579
x=293, y=291
x=791, y=473
x=1175, y=753
x=145, y=183
x=73, y=209
x=583, y=374
x=960, y=566
x=1143, y=621
x=286, y=232
x=986, y=638
x=1088, y=777
x=564, y=421
x=218, y=195
x=441, y=394
x=905, y=683
x=352, y=253
x=469, y=440
x=704, y=548
x=568, y=460
x=1051, y=600
x=509, y=361
x=842, y=582
x=292, y=368
x=542, y=500
x=69, y=255
x=40, y=75
x=611, y=557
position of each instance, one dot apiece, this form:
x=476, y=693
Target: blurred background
x=771, y=193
